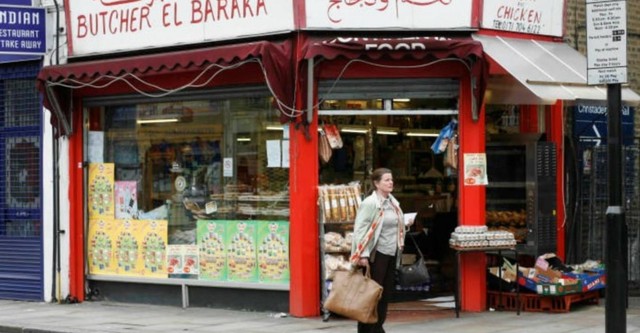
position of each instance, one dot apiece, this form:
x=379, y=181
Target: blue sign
x=22, y=30
x=16, y=2
x=590, y=124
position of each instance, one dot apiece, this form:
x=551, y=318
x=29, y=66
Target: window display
x=189, y=189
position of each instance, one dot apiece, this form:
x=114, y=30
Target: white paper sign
x=475, y=169
x=273, y=154
x=227, y=167
x=96, y=147
x=390, y=14
x=606, y=42
x=120, y=25
x=285, y=153
x=538, y=17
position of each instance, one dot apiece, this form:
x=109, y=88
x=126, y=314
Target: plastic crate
x=539, y=303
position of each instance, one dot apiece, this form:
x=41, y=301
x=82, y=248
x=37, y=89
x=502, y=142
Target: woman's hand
x=363, y=262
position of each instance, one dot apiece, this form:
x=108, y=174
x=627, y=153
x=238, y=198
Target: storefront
x=23, y=264
x=194, y=169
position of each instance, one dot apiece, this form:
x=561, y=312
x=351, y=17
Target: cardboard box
x=505, y=274
x=590, y=280
x=558, y=288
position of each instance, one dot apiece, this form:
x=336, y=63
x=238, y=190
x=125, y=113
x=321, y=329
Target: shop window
x=192, y=188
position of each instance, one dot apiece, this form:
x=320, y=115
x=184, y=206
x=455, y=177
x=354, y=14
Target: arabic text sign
x=123, y=25
x=22, y=30
x=606, y=42
x=388, y=14
x=539, y=17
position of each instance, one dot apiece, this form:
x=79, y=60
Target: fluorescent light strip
x=354, y=130
x=386, y=132
x=157, y=121
x=433, y=135
x=243, y=139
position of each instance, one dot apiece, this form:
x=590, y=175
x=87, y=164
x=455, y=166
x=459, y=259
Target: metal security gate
x=21, y=253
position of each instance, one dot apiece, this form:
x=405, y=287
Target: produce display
x=509, y=220
x=339, y=203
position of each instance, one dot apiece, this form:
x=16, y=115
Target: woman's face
x=385, y=184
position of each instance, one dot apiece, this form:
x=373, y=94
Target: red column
x=555, y=127
x=528, y=119
x=471, y=207
x=304, y=244
x=76, y=210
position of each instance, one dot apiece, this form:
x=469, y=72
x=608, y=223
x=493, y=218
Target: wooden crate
x=539, y=303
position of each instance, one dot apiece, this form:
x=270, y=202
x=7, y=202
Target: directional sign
x=606, y=41
x=590, y=124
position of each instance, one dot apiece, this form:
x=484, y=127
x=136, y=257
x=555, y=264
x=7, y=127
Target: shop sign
x=590, y=124
x=107, y=26
x=388, y=14
x=22, y=30
x=537, y=17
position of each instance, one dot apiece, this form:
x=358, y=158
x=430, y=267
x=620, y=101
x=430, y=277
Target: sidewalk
x=107, y=317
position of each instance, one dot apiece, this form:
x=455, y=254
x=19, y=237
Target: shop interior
x=424, y=184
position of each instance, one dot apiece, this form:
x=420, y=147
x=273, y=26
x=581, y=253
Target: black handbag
x=414, y=274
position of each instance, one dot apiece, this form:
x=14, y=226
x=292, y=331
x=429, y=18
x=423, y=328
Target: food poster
x=128, y=247
x=273, y=251
x=126, y=199
x=101, y=247
x=183, y=260
x=475, y=169
x=153, y=236
x=241, y=251
x=101, y=183
x=212, y=251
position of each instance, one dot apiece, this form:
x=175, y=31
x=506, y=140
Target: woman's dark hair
x=376, y=176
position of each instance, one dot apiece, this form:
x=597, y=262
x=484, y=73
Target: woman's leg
x=383, y=272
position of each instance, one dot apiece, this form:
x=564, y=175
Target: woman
x=378, y=239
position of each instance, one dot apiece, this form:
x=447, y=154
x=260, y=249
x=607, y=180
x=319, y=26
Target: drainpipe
x=56, y=183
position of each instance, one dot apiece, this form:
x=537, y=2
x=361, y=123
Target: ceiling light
x=157, y=121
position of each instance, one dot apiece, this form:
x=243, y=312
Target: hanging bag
x=416, y=273
x=354, y=295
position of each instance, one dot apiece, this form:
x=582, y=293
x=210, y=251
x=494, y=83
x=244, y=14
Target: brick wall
x=576, y=36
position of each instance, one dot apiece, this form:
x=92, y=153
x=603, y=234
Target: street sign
x=606, y=41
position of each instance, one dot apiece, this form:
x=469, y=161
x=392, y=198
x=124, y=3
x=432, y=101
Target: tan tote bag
x=354, y=296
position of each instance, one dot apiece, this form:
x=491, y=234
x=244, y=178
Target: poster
x=126, y=202
x=212, y=253
x=273, y=251
x=101, y=247
x=153, y=237
x=183, y=259
x=475, y=169
x=141, y=248
x=128, y=247
x=101, y=183
x=241, y=251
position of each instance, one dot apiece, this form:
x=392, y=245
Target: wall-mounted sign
x=606, y=41
x=388, y=15
x=590, y=124
x=106, y=26
x=538, y=17
x=22, y=30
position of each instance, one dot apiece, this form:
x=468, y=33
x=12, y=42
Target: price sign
x=606, y=42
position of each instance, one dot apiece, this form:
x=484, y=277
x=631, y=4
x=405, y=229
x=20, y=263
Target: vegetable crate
x=540, y=303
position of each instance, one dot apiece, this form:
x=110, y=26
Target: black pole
x=615, y=313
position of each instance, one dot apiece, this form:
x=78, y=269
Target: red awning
x=465, y=49
x=419, y=48
x=58, y=82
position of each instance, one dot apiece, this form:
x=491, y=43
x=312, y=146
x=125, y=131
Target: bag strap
x=416, y=244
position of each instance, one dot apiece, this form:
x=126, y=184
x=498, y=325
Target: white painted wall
x=55, y=286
